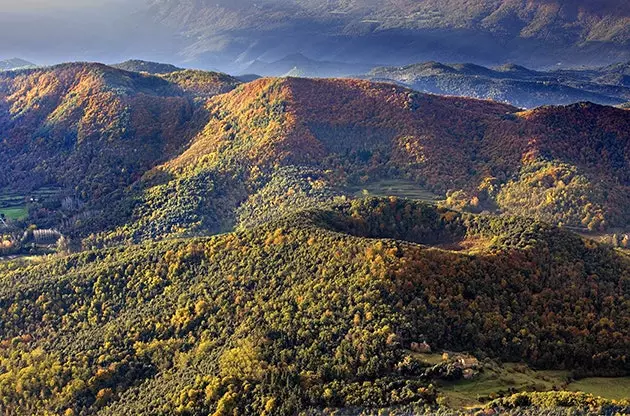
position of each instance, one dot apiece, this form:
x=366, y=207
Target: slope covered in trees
x=137, y=65
x=145, y=156
x=276, y=144
x=89, y=130
x=88, y=126
x=319, y=309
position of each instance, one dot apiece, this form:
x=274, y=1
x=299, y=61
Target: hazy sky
x=35, y=5
x=52, y=31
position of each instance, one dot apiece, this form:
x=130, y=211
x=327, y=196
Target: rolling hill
x=198, y=152
x=89, y=127
x=513, y=84
x=137, y=65
x=316, y=297
x=274, y=145
x=316, y=310
x=15, y=63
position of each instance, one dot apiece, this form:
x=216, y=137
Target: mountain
x=230, y=35
x=93, y=129
x=15, y=63
x=136, y=65
x=513, y=84
x=190, y=152
x=276, y=145
x=317, y=310
x=535, y=33
x=84, y=128
x=298, y=65
x=90, y=126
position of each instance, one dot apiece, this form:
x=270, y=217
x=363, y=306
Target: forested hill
x=319, y=309
x=137, y=65
x=89, y=126
x=314, y=296
x=147, y=156
x=277, y=144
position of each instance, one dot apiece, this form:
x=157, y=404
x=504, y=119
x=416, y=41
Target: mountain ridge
x=243, y=141
x=512, y=83
x=15, y=63
x=343, y=31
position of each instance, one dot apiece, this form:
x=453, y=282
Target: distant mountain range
x=514, y=84
x=509, y=83
x=15, y=63
x=234, y=35
x=536, y=33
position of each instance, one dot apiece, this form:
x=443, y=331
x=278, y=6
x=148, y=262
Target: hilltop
x=15, y=63
x=137, y=65
x=202, y=83
x=513, y=84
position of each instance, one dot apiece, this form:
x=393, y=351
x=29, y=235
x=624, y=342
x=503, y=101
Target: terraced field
x=396, y=187
x=14, y=205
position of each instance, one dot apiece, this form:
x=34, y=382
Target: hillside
x=136, y=65
x=145, y=157
x=315, y=295
x=92, y=129
x=319, y=309
x=275, y=145
x=88, y=126
x=513, y=84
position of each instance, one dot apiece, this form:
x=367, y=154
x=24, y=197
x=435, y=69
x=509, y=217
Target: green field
x=15, y=213
x=14, y=204
x=401, y=188
x=496, y=380
x=609, y=388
